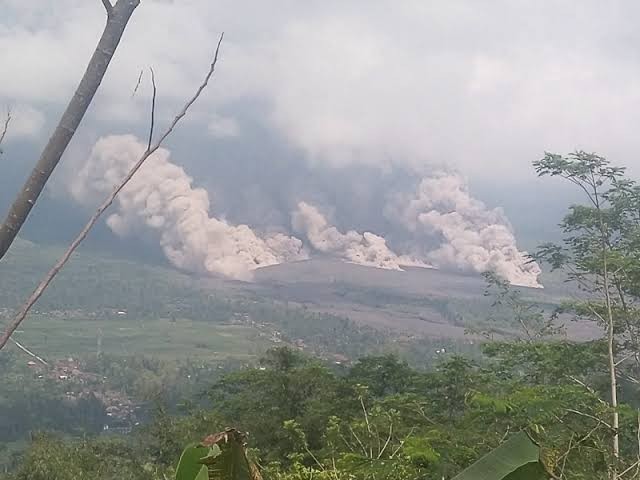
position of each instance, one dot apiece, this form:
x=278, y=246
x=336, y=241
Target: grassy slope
x=85, y=297
x=170, y=314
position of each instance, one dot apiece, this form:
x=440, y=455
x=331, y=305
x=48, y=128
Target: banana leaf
x=516, y=459
x=221, y=456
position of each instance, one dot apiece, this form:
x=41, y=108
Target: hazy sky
x=473, y=84
x=320, y=87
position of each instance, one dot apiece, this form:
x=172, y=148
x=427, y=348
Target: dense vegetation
x=379, y=418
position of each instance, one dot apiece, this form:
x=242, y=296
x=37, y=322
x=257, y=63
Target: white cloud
x=459, y=83
x=223, y=127
x=26, y=121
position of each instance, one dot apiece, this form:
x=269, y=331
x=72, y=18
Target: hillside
x=324, y=305
x=422, y=301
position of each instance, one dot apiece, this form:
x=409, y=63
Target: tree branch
x=108, y=7
x=590, y=390
x=135, y=90
x=28, y=352
x=592, y=417
x=44, y=283
x=5, y=127
x=64, y=131
x=153, y=108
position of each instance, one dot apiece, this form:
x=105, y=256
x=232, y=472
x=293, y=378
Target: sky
x=339, y=101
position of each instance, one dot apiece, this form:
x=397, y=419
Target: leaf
x=228, y=459
x=516, y=459
x=190, y=467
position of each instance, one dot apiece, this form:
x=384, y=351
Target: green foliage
x=307, y=421
x=516, y=459
x=190, y=466
x=221, y=456
x=49, y=458
x=383, y=375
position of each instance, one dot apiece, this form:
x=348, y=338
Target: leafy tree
x=383, y=375
x=599, y=254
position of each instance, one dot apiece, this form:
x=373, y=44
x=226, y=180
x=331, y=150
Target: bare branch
x=29, y=352
x=108, y=7
x=589, y=389
x=135, y=90
x=626, y=357
x=575, y=445
x=631, y=467
x=5, y=127
x=566, y=454
x=44, y=283
x=153, y=108
x=592, y=417
x=193, y=99
x=355, y=435
x=399, y=447
x=386, y=444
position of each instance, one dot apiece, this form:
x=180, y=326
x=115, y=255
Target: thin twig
x=353, y=433
x=135, y=90
x=29, y=352
x=589, y=389
x=506, y=434
x=599, y=420
x=5, y=127
x=628, y=469
x=566, y=455
x=44, y=283
x=153, y=108
x=626, y=357
x=315, y=459
x=386, y=444
x=366, y=419
x=580, y=441
x=399, y=447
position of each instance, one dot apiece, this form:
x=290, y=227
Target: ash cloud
x=436, y=223
x=161, y=198
x=362, y=248
x=471, y=236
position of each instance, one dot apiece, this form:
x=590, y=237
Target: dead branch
x=153, y=108
x=118, y=19
x=592, y=417
x=635, y=465
x=135, y=89
x=44, y=283
x=589, y=389
x=5, y=127
x=29, y=352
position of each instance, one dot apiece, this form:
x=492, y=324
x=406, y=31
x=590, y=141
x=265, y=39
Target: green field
x=57, y=337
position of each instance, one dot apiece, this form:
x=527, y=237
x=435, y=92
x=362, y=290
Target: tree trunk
x=118, y=16
x=613, y=379
x=611, y=354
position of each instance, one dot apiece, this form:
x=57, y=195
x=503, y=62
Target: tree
x=383, y=375
x=531, y=318
x=599, y=254
x=118, y=16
